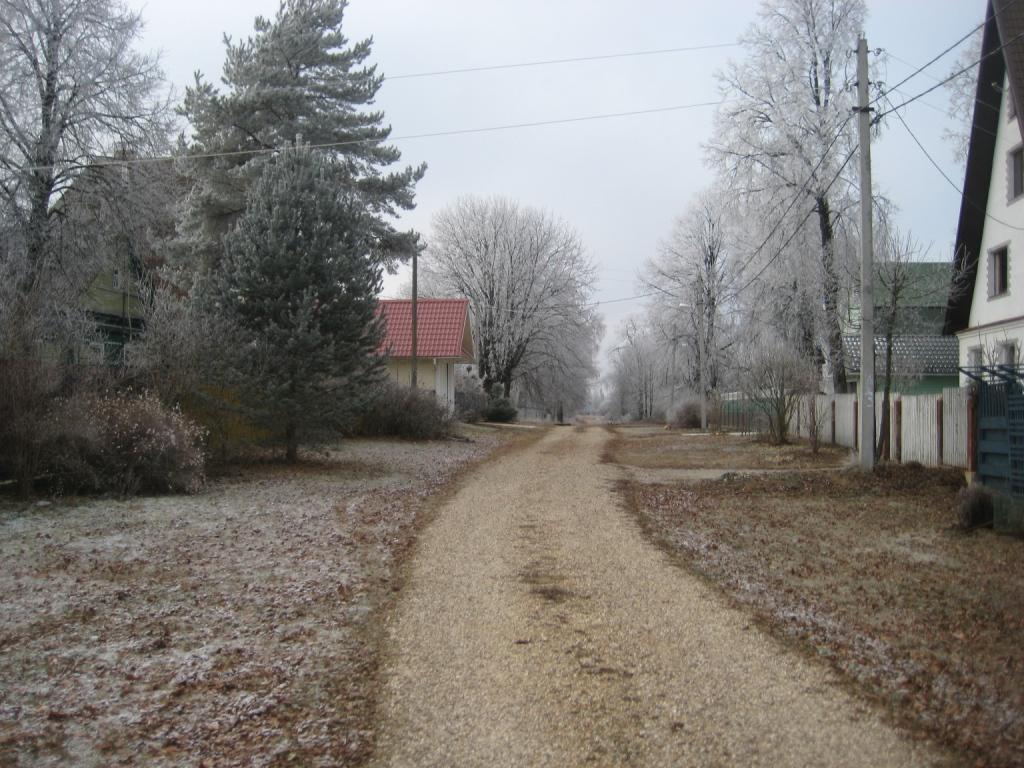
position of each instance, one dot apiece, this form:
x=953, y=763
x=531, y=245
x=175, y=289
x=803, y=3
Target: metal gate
x=1000, y=427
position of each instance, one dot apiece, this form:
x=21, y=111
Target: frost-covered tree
x=559, y=370
x=528, y=279
x=635, y=366
x=295, y=78
x=962, y=89
x=72, y=89
x=785, y=130
x=299, y=281
x=693, y=277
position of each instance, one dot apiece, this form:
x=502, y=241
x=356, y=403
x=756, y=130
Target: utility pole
x=867, y=273
x=415, y=361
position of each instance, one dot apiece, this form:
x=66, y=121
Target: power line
x=974, y=124
x=931, y=61
x=407, y=137
x=953, y=76
x=936, y=79
x=953, y=184
x=797, y=196
x=585, y=305
x=796, y=230
x=547, y=62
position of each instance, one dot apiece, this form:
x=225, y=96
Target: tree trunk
x=25, y=482
x=291, y=443
x=883, y=436
x=831, y=294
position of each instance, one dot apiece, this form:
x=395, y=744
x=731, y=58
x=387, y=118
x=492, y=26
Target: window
x=117, y=279
x=998, y=272
x=1016, y=173
x=1008, y=353
x=974, y=357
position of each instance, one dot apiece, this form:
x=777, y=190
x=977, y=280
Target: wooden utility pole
x=415, y=361
x=867, y=294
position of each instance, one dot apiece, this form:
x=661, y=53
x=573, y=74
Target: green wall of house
x=923, y=385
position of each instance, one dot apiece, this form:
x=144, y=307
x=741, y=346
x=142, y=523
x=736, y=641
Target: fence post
x=938, y=427
x=833, y=421
x=897, y=408
x=972, y=434
x=887, y=437
x=856, y=441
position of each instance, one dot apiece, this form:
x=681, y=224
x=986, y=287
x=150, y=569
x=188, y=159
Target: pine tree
x=296, y=76
x=298, y=280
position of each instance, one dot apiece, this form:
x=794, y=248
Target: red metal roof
x=442, y=328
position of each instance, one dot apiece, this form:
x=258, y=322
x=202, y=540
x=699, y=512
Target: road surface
x=539, y=627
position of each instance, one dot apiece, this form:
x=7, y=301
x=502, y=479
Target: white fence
x=919, y=439
x=930, y=429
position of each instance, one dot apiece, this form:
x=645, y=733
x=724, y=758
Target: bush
x=500, y=409
x=123, y=443
x=974, y=507
x=470, y=406
x=687, y=416
x=400, y=411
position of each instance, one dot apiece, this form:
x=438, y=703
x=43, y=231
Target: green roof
x=928, y=285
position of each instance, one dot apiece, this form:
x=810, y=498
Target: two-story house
x=986, y=303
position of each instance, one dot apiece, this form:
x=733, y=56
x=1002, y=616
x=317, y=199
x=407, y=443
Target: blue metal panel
x=1015, y=434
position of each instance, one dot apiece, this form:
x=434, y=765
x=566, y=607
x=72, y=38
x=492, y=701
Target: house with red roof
x=444, y=339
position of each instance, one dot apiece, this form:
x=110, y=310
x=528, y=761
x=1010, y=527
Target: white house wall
x=986, y=311
x=435, y=375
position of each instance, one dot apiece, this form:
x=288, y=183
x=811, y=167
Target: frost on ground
x=225, y=628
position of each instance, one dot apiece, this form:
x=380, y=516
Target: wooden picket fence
x=932, y=429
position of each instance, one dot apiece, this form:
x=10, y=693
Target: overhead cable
x=548, y=62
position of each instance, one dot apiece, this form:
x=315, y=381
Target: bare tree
x=895, y=281
x=785, y=131
x=962, y=90
x=693, y=273
x=75, y=99
x=774, y=377
x=527, y=277
x=72, y=89
x=635, y=373
x=559, y=376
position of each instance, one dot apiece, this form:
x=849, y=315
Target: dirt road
x=539, y=627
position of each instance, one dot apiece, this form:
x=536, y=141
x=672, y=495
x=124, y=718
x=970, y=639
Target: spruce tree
x=298, y=279
x=295, y=76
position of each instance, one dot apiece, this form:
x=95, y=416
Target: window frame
x=994, y=255
x=975, y=357
x=1008, y=353
x=1015, y=173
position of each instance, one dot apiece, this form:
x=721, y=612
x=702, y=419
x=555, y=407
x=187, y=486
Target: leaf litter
x=867, y=572
x=232, y=627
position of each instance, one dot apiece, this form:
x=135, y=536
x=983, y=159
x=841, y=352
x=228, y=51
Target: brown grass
x=868, y=572
x=657, y=448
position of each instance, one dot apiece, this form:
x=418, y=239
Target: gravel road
x=539, y=627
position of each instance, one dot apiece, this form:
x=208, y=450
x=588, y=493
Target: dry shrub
x=400, y=411
x=974, y=508
x=687, y=416
x=123, y=443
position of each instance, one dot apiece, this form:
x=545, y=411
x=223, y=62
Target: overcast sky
x=620, y=181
